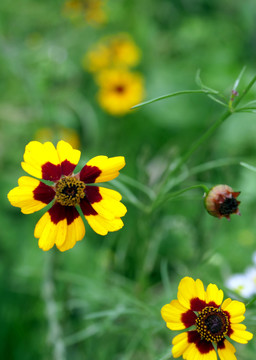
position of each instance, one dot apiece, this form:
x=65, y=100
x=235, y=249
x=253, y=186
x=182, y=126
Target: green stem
x=48, y=291
x=183, y=92
x=206, y=135
x=165, y=198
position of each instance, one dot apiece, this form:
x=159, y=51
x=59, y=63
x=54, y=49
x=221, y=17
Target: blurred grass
x=109, y=291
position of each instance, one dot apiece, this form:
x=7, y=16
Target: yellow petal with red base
x=109, y=167
x=190, y=289
x=27, y=195
x=102, y=226
x=68, y=157
x=213, y=294
x=226, y=351
x=109, y=206
x=56, y=228
x=174, y=316
x=236, y=310
x=42, y=161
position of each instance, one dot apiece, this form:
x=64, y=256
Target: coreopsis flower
x=54, y=167
x=119, y=90
x=112, y=52
x=221, y=201
x=91, y=10
x=55, y=133
x=210, y=321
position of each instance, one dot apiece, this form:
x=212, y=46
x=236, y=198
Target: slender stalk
x=167, y=197
x=48, y=290
x=183, y=92
x=206, y=135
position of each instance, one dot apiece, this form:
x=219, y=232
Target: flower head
x=221, y=201
x=212, y=321
x=119, y=90
x=111, y=52
x=61, y=224
x=91, y=10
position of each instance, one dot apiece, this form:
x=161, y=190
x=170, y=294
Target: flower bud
x=221, y=201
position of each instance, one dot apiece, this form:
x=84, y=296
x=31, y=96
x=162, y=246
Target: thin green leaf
x=250, y=303
x=136, y=184
x=201, y=84
x=247, y=166
x=129, y=196
x=218, y=100
x=239, y=78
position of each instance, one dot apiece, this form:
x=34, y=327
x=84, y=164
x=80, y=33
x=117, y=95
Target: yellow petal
x=227, y=352
x=102, y=226
x=37, y=155
x=236, y=309
x=180, y=344
x=46, y=231
x=109, y=167
x=23, y=196
x=239, y=334
x=214, y=294
x=75, y=232
x=190, y=289
x=109, y=207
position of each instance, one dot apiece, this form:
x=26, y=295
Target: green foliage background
x=108, y=291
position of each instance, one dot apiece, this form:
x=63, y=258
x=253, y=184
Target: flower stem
x=205, y=136
x=165, y=198
x=48, y=290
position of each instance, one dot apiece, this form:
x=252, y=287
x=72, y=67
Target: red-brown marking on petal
x=188, y=318
x=51, y=172
x=67, y=167
x=59, y=212
x=212, y=303
x=197, y=305
x=203, y=346
x=44, y=193
x=92, y=194
x=86, y=207
x=221, y=344
x=89, y=174
x=230, y=331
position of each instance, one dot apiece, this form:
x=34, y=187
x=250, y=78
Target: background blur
x=102, y=299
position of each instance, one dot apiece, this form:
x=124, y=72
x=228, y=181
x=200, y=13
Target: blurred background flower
x=92, y=11
x=119, y=90
x=244, y=284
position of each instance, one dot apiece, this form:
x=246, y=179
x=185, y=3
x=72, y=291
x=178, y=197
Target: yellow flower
x=92, y=10
x=61, y=224
x=115, y=51
x=119, y=90
x=57, y=133
x=213, y=321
